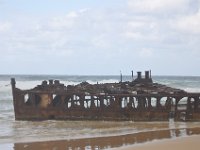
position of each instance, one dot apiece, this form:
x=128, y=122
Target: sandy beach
x=182, y=143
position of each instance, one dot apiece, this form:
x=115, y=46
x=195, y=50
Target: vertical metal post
x=120, y=76
x=132, y=74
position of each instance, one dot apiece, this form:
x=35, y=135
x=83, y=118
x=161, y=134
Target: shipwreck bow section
x=138, y=100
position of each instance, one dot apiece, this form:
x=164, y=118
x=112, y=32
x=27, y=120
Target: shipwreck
x=138, y=100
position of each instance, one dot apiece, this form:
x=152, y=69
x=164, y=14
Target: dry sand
x=182, y=143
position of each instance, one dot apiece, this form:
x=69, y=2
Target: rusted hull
x=139, y=100
x=110, y=107
x=62, y=114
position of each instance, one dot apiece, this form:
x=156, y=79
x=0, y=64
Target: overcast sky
x=95, y=37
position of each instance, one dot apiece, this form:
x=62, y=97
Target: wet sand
x=139, y=140
x=182, y=143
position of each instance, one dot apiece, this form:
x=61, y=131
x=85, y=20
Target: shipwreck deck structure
x=137, y=100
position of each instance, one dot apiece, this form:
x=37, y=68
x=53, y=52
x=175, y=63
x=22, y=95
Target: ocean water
x=12, y=131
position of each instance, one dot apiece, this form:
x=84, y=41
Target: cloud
x=5, y=26
x=100, y=42
x=189, y=24
x=103, y=40
x=160, y=6
x=142, y=30
x=146, y=53
x=63, y=22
